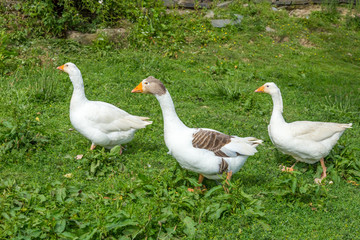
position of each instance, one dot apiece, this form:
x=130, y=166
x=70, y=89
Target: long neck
x=171, y=119
x=78, y=92
x=277, y=107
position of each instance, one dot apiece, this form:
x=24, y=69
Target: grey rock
x=303, y=2
x=113, y=34
x=238, y=18
x=210, y=14
x=220, y=23
x=269, y=29
x=83, y=38
x=169, y=3
x=224, y=4
x=178, y=11
x=193, y=4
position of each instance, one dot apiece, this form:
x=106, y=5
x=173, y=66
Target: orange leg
x=92, y=146
x=228, y=177
x=201, y=179
x=288, y=169
x=323, y=174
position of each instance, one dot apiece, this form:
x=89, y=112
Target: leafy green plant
x=102, y=163
x=344, y=161
x=154, y=27
x=8, y=61
x=53, y=18
x=294, y=188
x=229, y=91
x=56, y=18
x=324, y=18
x=353, y=22
x=21, y=136
x=102, y=42
x=219, y=68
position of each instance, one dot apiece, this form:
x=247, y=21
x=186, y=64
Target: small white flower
x=68, y=175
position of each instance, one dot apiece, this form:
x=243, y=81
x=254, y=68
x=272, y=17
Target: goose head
x=150, y=85
x=70, y=69
x=269, y=88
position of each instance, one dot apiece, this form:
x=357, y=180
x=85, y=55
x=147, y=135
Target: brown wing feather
x=210, y=140
x=223, y=166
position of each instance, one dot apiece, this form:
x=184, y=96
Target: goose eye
x=146, y=83
x=267, y=86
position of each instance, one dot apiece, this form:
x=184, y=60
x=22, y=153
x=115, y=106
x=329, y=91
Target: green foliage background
x=46, y=193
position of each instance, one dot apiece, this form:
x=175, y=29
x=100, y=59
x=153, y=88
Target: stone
x=210, y=14
x=238, y=18
x=224, y=4
x=169, y=3
x=220, y=23
x=193, y=3
x=113, y=34
x=269, y=29
x=83, y=38
x=178, y=11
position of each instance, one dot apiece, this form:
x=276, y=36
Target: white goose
x=205, y=151
x=100, y=122
x=306, y=141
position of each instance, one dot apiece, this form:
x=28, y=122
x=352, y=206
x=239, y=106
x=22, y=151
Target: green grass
x=211, y=77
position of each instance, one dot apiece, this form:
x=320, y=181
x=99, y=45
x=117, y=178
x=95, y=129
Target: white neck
x=171, y=119
x=78, y=92
x=277, y=107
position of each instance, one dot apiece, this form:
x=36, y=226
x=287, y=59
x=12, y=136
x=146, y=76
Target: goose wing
x=224, y=145
x=109, y=118
x=316, y=131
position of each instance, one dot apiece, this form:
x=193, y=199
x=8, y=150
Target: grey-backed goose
x=205, y=151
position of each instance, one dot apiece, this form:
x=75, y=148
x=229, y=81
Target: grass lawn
x=45, y=192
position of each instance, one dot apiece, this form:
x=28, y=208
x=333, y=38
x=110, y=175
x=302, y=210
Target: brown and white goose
x=100, y=122
x=306, y=141
x=205, y=151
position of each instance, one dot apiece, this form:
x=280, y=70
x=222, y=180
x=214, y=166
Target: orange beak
x=138, y=89
x=61, y=67
x=260, y=89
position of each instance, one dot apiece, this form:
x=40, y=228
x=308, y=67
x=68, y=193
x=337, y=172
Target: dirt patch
x=114, y=35
x=346, y=12
x=305, y=11
x=282, y=39
x=306, y=43
x=303, y=41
